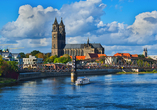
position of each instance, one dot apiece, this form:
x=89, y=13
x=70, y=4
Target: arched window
x=79, y=53
x=71, y=52
x=76, y=52
x=68, y=52
x=54, y=45
x=82, y=53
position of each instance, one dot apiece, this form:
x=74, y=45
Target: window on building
x=76, y=52
x=71, y=53
x=79, y=53
x=82, y=53
x=68, y=52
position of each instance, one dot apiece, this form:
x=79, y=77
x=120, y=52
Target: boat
x=82, y=81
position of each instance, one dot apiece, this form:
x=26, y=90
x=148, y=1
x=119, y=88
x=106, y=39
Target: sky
x=124, y=26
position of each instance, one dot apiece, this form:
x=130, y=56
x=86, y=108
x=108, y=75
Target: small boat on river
x=82, y=81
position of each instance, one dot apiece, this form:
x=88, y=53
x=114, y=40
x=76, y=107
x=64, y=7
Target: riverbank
x=136, y=72
x=6, y=81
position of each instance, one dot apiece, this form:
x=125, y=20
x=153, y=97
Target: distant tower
x=58, y=38
x=88, y=41
x=145, y=52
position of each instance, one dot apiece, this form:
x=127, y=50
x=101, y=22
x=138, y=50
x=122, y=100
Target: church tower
x=145, y=52
x=58, y=38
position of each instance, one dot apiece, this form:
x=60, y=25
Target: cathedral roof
x=79, y=46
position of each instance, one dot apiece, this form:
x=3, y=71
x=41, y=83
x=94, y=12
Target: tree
x=1, y=63
x=141, y=56
x=13, y=65
x=27, y=55
x=1, y=60
x=22, y=55
x=34, y=52
x=46, y=55
x=50, y=59
x=102, y=59
x=40, y=55
x=56, y=60
x=140, y=63
x=62, y=59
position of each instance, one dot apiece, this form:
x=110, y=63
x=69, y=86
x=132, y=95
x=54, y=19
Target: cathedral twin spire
x=56, y=22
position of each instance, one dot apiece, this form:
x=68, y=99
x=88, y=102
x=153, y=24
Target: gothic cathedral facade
x=58, y=38
x=59, y=46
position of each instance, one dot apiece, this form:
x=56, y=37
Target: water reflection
x=104, y=92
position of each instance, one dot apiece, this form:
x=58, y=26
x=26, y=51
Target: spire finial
x=88, y=41
x=61, y=23
x=55, y=22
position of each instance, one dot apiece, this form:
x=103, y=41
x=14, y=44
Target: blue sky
x=119, y=25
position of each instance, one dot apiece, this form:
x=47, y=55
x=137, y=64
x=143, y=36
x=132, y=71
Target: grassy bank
x=147, y=72
x=4, y=81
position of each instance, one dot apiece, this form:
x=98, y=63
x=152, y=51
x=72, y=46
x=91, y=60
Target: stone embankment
x=33, y=75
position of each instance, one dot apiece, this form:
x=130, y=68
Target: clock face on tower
x=54, y=36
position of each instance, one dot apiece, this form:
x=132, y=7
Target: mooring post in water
x=73, y=70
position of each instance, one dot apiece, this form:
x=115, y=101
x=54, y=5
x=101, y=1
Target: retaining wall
x=33, y=75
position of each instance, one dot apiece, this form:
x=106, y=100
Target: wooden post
x=73, y=70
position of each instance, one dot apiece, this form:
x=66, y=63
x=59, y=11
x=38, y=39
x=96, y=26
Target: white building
x=31, y=61
x=6, y=56
x=110, y=60
x=154, y=57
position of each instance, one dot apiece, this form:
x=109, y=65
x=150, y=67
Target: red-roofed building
x=128, y=55
x=80, y=57
x=94, y=55
x=99, y=55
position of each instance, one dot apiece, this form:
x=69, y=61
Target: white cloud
x=82, y=20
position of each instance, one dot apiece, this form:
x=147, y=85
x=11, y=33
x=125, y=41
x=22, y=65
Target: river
x=109, y=92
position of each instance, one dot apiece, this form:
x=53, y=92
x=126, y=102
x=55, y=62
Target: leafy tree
x=62, y=59
x=46, y=56
x=57, y=60
x=146, y=64
x=4, y=68
x=27, y=55
x=102, y=59
x=140, y=63
x=1, y=63
x=13, y=65
x=40, y=55
x=34, y=52
x=22, y=55
x=50, y=59
x=1, y=60
x=150, y=58
x=141, y=56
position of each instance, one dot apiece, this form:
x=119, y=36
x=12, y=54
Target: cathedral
x=59, y=46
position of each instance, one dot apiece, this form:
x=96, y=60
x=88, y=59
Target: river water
x=109, y=92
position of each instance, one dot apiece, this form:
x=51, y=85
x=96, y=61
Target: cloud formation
x=82, y=19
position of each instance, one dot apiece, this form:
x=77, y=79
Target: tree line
x=7, y=67
x=47, y=58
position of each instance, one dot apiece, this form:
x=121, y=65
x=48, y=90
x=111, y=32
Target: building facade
x=59, y=46
x=31, y=61
x=58, y=38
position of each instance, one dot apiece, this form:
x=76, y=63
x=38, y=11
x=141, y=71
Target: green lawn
x=6, y=80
